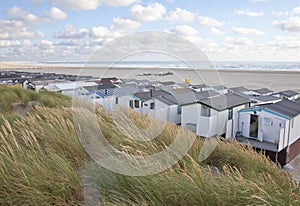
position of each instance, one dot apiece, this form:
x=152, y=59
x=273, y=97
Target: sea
x=225, y=65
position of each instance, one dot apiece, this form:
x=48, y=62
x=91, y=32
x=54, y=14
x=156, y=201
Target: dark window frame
x=136, y=104
x=131, y=104
x=230, y=113
x=152, y=105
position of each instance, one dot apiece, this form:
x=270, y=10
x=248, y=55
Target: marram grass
x=43, y=163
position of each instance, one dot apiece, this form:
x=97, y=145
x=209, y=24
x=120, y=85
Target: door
x=253, y=126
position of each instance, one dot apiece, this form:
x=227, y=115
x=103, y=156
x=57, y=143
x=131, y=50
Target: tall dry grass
x=232, y=175
x=31, y=175
x=42, y=162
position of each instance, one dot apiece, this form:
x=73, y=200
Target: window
x=152, y=105
x=97, y=97
x=179, y=110
x=117, y=100
x=268, y=121
x=292, y=123
x=136, y=103
x=205, y=111
x=230, y=114
x=142, y=103
x=131, y=104
x=146, y=105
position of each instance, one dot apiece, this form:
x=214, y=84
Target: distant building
x=288, y=94
x=263, y=100
x=263, y=92
x=67, y=88
x=220, y=89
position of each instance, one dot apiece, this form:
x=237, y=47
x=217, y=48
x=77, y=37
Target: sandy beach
x=275, y=80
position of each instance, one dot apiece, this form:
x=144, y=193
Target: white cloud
x=56, y=13
x=291, y=24
x=91, y=4
x=72, y=33
x=119, y=27
x=19, y=14
x=296, y=10
x=180, y=15
x=26, y=43
x=248, y=12
x=11, y=25
x=217, y=32
x=40, y=34
x=46, y=42
x=152, y=12
x=280, y=13
x=9, y=43
x=23, y=34
x=240, y=41
x=4, y=35
x=14, y=29
x=209, y=21
x=120, y=24
x=77, y=4
x=101, y=32
x=69, y=42
x=187, y=32
x=247, y=31
x=282, y=43
x=119, y=2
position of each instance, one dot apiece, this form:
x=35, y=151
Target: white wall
x=70, y=93
x=244, y=123
x=80, y=92
x=222, y=118
x=164, y=109
x=276, y=133
x=124, y=100
x=216, y=124
x=232, y=125
x=190, y=114
x=295, y=129
x=146, y=106
x=109, y=102
x=229, y=128
x=207, y=126
x=173, y=115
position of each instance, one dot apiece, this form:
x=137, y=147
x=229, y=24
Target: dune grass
x=42, y=162
x=17, y=95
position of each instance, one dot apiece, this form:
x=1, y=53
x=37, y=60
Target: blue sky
x=61, y=30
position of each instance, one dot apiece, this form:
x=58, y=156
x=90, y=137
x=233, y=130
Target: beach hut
x=273, y=128
x=288, y=94
x=214, y=114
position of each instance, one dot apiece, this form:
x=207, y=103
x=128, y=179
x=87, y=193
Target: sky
x=225, y=30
